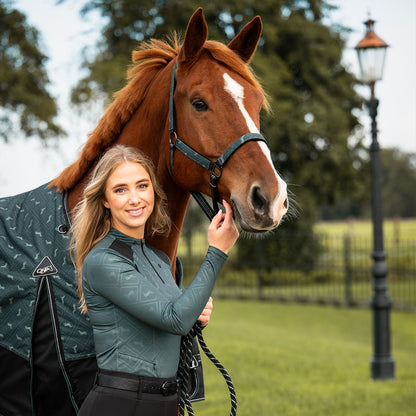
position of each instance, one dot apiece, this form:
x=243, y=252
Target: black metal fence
x=331, y=270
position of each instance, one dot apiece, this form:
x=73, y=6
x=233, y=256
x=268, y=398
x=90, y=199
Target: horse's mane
x=149, y=59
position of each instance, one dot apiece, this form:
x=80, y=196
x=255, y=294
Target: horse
x=193, y=108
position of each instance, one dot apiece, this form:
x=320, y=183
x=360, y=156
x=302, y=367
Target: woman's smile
x=136, y=212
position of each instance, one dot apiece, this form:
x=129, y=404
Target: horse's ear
x=195, y=37
x=245, y=43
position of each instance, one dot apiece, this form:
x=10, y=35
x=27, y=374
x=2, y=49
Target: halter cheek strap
x=214, y=167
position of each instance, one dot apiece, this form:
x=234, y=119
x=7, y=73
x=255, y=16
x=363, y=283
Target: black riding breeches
x=115, y=393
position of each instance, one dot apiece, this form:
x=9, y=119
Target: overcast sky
x=26, y=164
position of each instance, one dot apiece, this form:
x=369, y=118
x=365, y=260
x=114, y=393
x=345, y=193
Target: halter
x=214, y=167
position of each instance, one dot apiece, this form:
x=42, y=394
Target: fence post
x=347, y=269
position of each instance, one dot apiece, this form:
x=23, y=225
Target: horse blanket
x=46, y=344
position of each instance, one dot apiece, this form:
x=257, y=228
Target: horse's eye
x=200, y=105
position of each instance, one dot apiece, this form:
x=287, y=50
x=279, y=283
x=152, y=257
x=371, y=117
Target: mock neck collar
x=126, y=238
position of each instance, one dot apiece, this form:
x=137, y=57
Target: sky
x=26, y=163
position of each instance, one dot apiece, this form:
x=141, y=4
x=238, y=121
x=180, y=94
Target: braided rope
x=222, y=370
x=183, y=371
x=183, y=374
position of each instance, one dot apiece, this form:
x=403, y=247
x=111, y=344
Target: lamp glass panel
x=371, y=62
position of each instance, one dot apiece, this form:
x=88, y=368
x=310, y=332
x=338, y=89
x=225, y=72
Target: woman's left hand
x=206, y=313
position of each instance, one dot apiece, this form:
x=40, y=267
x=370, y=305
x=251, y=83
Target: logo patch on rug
x=44, y=268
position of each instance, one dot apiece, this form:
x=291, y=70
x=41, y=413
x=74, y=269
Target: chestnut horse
x=217, y=102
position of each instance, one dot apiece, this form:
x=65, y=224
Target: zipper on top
x=151, y=264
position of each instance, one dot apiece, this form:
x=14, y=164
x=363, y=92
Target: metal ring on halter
x=172, y=133
x=213, y=168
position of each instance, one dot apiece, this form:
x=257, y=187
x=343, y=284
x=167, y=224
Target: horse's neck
x=151, y=130
x=177, y=203
x=148, y=132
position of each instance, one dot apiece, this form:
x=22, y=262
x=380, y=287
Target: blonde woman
x=137, y=311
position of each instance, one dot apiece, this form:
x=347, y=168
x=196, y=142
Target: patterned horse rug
x=47, y=358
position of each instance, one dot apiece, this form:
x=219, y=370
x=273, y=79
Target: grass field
x=392, y=228
x=291, y=360
x=403, y=294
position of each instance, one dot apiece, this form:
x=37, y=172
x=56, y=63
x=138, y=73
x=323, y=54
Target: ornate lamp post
x=371, y=52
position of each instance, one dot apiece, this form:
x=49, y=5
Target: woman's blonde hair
x=92, y=220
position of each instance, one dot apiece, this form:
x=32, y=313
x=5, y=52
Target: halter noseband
x=214, y=167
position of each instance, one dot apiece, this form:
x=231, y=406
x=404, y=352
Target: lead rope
x=222, y=370
x=183, y=371
x=183, y=374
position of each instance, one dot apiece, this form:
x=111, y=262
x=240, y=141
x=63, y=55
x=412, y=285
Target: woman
x=137, y=310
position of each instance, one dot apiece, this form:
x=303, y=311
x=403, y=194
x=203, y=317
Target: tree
x=24, y=99
x=399, y=183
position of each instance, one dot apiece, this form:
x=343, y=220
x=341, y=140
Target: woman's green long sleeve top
x=137, y=310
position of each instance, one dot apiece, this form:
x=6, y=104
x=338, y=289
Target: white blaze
x=237, y=93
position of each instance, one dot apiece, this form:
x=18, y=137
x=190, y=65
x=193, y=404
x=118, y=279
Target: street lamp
x=371, y=51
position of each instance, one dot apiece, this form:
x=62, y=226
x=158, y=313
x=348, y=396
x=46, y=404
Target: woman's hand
x=222, y=232
x=206, y=313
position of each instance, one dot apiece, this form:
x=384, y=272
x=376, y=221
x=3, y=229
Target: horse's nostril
x=286, y=203
x=258, y=200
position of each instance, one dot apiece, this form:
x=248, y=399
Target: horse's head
x=217, y=101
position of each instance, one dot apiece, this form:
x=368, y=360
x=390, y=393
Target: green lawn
x=402, y=294
x=393, y=228
x=289, y=360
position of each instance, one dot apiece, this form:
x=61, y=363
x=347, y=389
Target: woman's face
x=129, y=195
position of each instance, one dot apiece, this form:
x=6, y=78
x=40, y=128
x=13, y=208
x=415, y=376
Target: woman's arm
x=112, y=277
